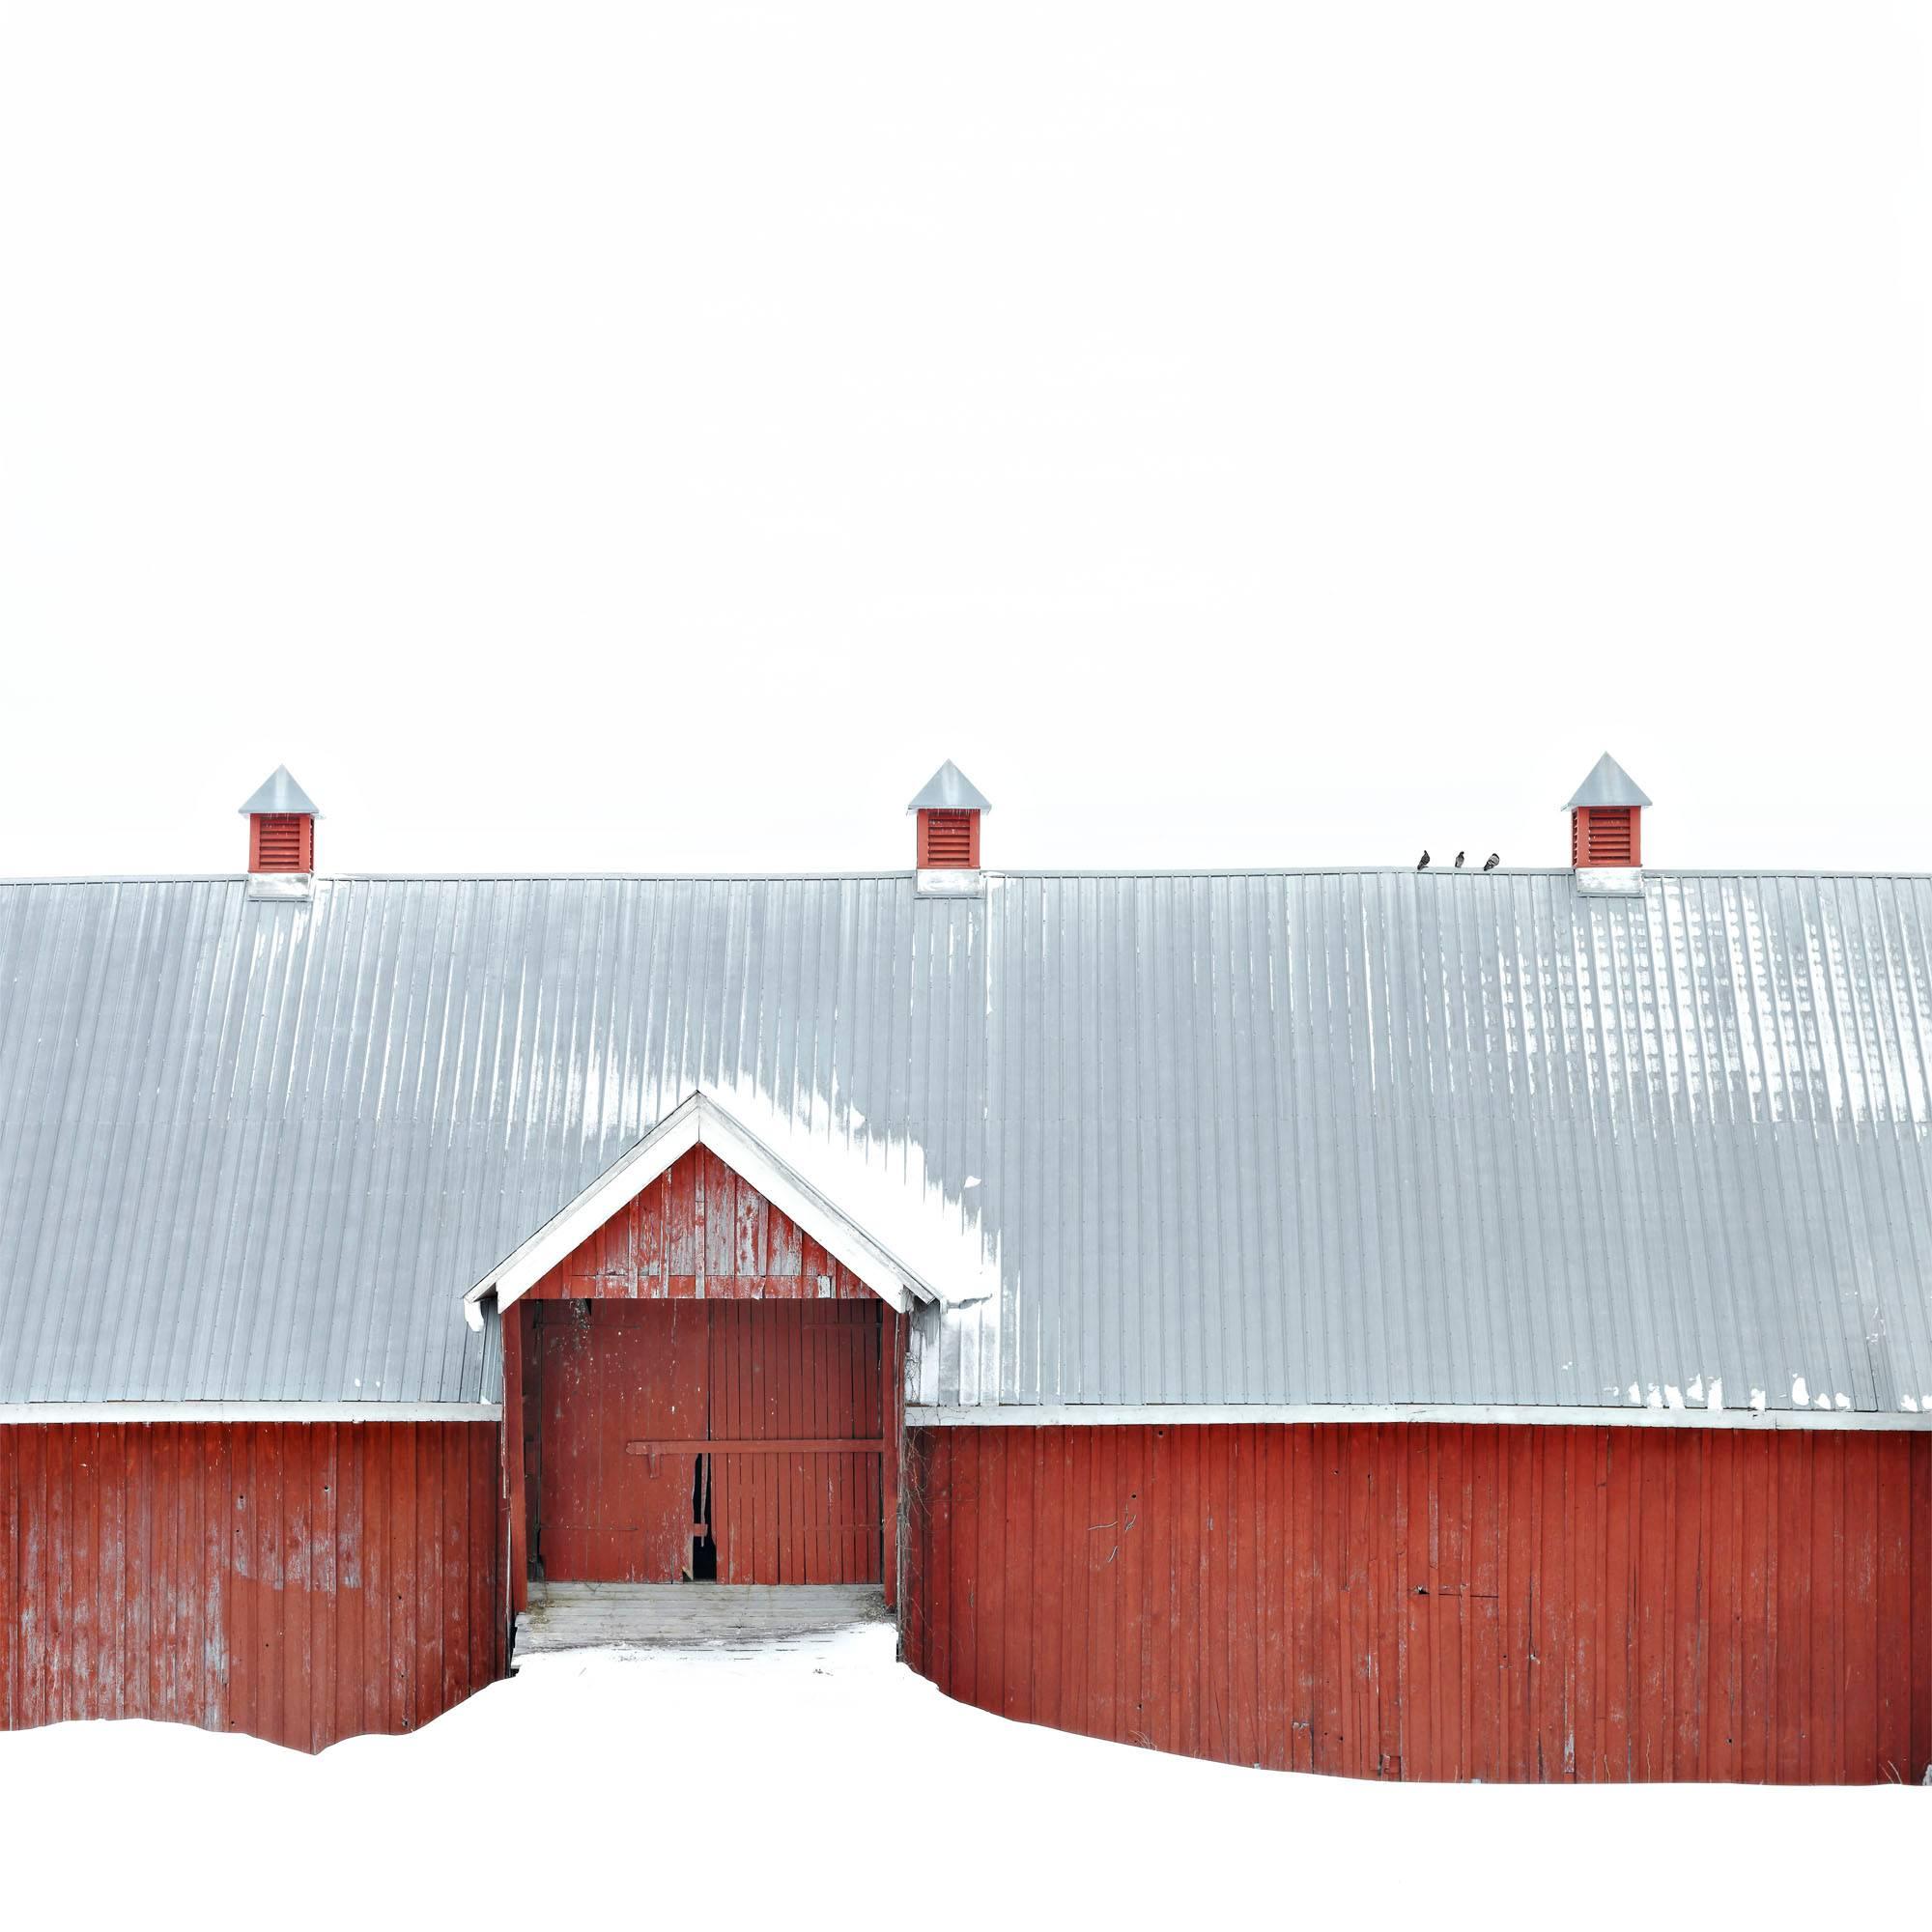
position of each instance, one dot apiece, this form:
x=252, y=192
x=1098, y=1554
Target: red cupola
x=1606, y=819
x=949, y=810
x=281, y=826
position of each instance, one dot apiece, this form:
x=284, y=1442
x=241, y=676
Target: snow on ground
x=827, y=1785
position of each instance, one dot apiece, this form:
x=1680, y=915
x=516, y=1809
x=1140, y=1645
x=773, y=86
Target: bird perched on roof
x=1422, y=864
x=1459, y=857
x=1491, y=863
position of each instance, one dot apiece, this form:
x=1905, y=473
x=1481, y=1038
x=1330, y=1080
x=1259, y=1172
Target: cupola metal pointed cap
x=279, y=794
x=1608, y=785
x=950, y=789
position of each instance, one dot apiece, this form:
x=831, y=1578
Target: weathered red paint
x=301, y=1581
x=519, y=1443
x=635, y=1399
x=949, y=841
x=792, y=1372
x=1426, y=1601
x=1607, y=834
x=617, y=1402
x=891, y=1387
x=700, y=1232
x=281, y=842
x=607, y=1374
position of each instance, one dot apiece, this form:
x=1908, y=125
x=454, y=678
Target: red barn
x=1416, y=1324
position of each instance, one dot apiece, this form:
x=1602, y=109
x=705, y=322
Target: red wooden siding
x=1440, y=1601
x=632, y=1398
x=300, y=1581
x=700, y=1232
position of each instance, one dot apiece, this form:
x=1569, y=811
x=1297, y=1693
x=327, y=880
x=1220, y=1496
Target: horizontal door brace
x=803, y=1445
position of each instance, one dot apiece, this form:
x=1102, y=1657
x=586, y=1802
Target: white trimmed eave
x=699, y=1122
x=26, y=1412
x=1179, y=1414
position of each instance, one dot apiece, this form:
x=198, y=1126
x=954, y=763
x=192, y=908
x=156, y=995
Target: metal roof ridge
x=756, y=877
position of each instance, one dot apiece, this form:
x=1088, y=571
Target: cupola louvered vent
x=948, y=840
x=282, y=843
x=1603, y=836
x=281, y=826
x=949, y=808
x=1606, y=828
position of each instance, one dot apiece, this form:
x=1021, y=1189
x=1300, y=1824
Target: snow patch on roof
x=884, y=1183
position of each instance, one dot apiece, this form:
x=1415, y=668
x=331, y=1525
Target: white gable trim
x=699, y=1122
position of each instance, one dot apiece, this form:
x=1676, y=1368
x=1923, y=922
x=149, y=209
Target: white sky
x=578, y=438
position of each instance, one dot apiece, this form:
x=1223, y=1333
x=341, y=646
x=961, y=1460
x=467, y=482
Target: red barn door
x=798, y=1425
x=681, y=1438
x=614, y=1377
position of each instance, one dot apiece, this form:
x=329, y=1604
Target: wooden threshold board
x=683, y=1616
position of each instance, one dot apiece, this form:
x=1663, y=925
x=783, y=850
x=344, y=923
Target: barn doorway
x=699, y=1442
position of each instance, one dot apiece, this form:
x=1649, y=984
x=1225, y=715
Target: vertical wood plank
x=1547, y=1604
x=515, y=1429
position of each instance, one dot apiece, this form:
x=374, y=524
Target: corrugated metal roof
x=1336, y=1137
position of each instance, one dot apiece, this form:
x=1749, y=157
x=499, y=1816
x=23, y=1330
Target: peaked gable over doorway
x=699, y=1231
x=699, y=1122
x=701, y=1389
